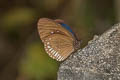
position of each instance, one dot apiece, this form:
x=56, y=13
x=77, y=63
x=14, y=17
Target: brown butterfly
x=59, y=40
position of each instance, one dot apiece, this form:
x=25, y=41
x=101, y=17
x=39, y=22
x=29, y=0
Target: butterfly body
x=59, y=40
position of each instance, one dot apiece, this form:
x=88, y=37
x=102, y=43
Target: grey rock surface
x=99, y=60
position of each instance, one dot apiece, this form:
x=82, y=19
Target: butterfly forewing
x=47, y=26
x=58, y=42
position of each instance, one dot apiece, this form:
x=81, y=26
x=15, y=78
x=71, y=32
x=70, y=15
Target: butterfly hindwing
x=58, y=46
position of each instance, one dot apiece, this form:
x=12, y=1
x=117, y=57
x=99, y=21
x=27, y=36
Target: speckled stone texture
x=99, y=60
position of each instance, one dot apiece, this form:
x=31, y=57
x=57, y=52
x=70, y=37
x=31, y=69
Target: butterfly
x=58, y=38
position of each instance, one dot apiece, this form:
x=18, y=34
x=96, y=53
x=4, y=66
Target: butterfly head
x=77, y=44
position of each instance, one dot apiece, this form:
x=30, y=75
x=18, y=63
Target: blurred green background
x=22, y=56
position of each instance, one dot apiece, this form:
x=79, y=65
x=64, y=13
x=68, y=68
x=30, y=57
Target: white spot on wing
x=50, y=49
x=50, y=55
x=48, y=46
x=52, y=32
x=58, y=31
x=48, y=43
x=59, y=57
x=54, y=52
